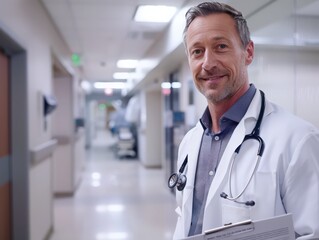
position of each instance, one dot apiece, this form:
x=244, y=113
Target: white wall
x=27, y=22
x=150, y=130
x=41, y=202
x=63, y=130
x=289, y=78
x=68, y=158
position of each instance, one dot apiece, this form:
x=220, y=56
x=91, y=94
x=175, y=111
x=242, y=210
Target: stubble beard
x=216, y=96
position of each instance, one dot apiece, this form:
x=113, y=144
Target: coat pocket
x=233, y=214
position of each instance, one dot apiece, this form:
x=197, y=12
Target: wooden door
x=5, y=173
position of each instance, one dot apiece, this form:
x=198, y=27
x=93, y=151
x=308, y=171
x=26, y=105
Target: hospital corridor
x=117, y=199
x=96, y=97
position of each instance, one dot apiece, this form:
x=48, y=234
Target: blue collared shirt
x=211, y=151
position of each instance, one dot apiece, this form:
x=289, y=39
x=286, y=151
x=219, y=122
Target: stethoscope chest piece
x=178, y=179
x=172, y=180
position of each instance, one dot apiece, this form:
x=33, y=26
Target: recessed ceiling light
x=127, y=63
x=154, y=13
x=113, y=85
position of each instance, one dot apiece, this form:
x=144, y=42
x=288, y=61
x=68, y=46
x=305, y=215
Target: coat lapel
x=193, y=150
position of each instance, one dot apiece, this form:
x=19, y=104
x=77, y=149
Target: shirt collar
x=235, y=113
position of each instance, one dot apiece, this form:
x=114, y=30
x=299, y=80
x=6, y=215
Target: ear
x=250, y=50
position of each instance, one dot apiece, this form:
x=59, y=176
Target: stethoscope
x=179, y=179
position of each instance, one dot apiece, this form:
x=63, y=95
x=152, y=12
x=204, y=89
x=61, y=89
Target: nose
x=209, y=61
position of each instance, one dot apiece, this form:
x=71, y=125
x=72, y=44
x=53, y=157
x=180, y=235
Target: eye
x=222, y=46
x=196, y=52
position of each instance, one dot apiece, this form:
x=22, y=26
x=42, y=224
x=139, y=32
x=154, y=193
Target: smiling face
x=217, y=58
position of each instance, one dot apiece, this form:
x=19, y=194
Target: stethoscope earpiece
x=250, y=203
x=224, y=195
x=247, y=203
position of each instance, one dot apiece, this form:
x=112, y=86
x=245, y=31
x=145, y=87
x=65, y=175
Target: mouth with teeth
x=214, y=79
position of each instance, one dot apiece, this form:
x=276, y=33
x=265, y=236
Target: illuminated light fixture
x=127, y=63
x=154, y=13
x=176, y=85
x=112, y=85
x=122, y=75
x=168, y=85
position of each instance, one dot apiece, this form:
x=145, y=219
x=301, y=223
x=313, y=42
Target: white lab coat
x=286, y=181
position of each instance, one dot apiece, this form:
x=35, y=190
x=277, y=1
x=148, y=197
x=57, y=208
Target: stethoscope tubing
x=230, y=197
x=176, y=179
x=254, y=135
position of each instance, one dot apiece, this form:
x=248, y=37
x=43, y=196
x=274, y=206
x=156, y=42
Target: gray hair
x=207, y=8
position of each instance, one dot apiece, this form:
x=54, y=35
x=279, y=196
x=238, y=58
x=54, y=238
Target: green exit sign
x=76, y=59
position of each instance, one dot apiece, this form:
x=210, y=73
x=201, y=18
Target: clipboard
x=279, y=227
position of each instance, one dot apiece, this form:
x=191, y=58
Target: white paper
x=276, y=228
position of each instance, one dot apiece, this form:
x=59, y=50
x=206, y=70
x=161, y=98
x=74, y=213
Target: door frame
x=20, y=158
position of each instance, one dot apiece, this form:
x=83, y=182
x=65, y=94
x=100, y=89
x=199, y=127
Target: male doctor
x=274, y=171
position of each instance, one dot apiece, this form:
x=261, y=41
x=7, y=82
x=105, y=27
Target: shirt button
x=211, y=173
x=216, y=138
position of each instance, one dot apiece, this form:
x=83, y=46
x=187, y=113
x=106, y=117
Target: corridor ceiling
x=103, y=31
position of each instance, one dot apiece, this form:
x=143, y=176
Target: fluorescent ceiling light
x=127, y=63
x=113, y=85
x=122, y=75
x=168, y=85
x=154, y=13
x=176, y=85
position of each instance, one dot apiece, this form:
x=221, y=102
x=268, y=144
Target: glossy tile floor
x=117, y=199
